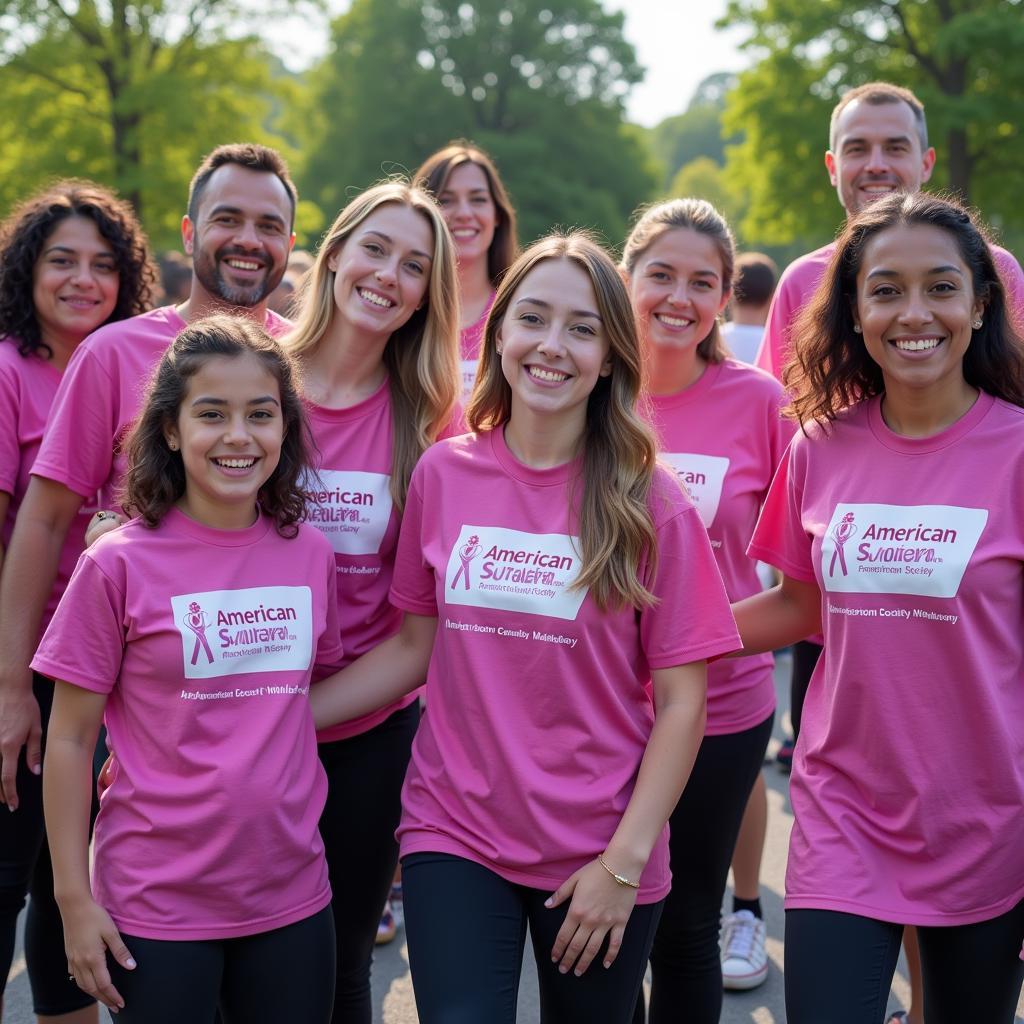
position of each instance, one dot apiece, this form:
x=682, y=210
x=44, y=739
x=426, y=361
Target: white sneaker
x=744, y=958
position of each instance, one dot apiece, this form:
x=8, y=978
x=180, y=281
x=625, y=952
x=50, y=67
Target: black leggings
x=364, y=775
x=25, y=869
x=686, y=969
x=466, y=929
x=805, y=658
x=839, y=968
x=282, y=975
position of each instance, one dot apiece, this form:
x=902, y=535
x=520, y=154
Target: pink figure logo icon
x=197, y=621
x=467, y=553
x=843, y=531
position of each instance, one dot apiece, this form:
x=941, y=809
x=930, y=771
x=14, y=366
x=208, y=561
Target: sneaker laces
x=741, y=936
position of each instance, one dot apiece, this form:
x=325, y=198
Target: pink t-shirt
x=538, y=703
x=101, y=395
x=724, y=437
x=351, y=505
x=204, y=639
x=908, y=780
x=802, y=277
x=469, y=348
x=27, y=387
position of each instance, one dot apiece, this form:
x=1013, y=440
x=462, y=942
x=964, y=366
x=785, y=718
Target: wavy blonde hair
x=616, y=528
x=421, y=356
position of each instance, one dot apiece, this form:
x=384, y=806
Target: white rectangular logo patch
x=259, y=629
x=350, y=508
x=491, y=567
x=703, y=476
x=899, y=549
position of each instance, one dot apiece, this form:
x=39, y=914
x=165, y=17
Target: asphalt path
x=392, y=984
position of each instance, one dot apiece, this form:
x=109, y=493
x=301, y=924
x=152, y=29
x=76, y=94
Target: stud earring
x=856, y=329
x=173, y=445
x=976, y=325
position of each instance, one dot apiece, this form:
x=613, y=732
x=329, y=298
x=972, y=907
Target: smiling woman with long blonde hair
x=562, y=597
x=376, y=344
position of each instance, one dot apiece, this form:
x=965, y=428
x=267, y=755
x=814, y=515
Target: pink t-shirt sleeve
x=84, y=643
x=330, y=650
x=77, y=449
x=690, y=623
x=771, y=356
x=779, y=537
x=10, y=453
x=1013, y=282
x=412, y=586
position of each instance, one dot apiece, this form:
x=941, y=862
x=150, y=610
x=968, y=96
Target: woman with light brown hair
x=561, y=596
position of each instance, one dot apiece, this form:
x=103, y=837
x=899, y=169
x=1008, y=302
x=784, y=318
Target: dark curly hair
x=25, y=231
x=830, y=368
x=156, y=476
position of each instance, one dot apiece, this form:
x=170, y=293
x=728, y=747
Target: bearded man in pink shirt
x=238, y=231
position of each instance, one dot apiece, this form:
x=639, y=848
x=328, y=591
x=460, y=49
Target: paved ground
x=765, y=1005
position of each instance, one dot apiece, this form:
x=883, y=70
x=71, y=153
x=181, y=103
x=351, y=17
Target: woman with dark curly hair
x=895, y=518
x=72, y=258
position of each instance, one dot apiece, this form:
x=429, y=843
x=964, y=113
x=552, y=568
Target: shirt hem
x=444, y=844
x=732, y=726
x=188, y=933
x=911, y=916
x=712, y=649
x=764, y=554
x=348, y=730
x=54, y=473
x=68, y=674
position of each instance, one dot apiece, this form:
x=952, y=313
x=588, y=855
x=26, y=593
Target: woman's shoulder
x=752, y=379
x=452, y=452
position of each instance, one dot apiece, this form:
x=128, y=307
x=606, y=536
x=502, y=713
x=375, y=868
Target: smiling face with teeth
x=677, y=287
x=74, y=283
x=553, y=347
x=469, y=212
x=229, y=432
x=241, y=238
x=915, y=305
x=876, y=151
x=382, y=270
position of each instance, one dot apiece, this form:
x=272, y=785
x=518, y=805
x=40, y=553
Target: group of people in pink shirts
x=460, y=567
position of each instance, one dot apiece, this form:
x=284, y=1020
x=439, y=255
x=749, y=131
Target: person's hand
x=101, y=523
x=107, y=774
x=19, y=727
x=600, y=908
x=89, y=933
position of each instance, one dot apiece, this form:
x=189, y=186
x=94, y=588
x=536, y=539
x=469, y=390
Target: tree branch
x=927, y=62
x=47, y=76
x=79, y=25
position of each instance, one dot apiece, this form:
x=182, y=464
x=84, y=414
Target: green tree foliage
x=131, y=94
x=697, y=132
x=955, y=54
x=705, y=179
x=537, y=83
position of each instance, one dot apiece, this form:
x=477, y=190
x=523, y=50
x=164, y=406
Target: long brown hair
x=830, y=367
x=421, y=356
x=156, y=475
x=697, y=215
x=615, y=526
x=434, y=173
